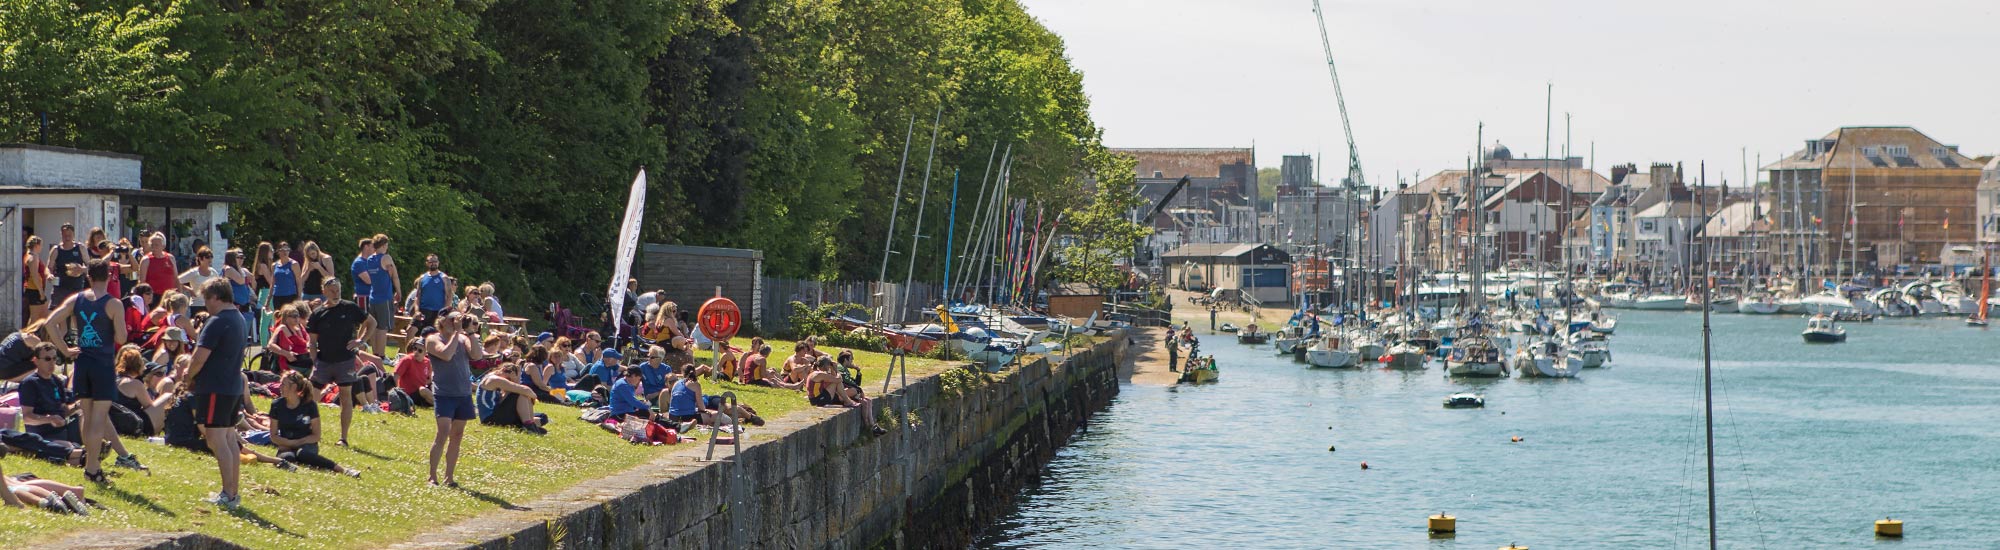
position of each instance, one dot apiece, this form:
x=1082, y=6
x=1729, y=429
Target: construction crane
x=1354, y=177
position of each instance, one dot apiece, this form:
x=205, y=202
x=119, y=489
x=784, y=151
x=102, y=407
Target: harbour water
x=1813, y=443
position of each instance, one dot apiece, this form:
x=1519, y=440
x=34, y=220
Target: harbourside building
x=1989, y=203
x=1913, y=199
x=1526, y=206
x=43, y=187
x=1218, y=205
x=1258, y=270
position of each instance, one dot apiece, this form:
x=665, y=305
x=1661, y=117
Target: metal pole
x=950, y=227
x=895, y=203
x=903, y=305
x=1708, y=390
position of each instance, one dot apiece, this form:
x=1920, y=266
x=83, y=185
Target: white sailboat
x=1588, y=350
x=1475, y=355
x=1326, y=353
x=1543, y=359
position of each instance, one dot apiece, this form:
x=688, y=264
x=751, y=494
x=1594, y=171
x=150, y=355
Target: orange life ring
x=719, y=318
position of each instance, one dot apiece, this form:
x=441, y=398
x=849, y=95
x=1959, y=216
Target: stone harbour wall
x=967, y=443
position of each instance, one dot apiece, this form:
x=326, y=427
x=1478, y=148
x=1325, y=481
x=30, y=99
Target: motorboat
x=1588, y=351
x=1660, y=302
x=1199, y=371
x=1252, y=335
x=1955, y=300
x=1229, y=327
x=1603, y=323
x=1406, y=355
x=1326, y=353
x=1757, y=304
x=1475, y=355
x=1827, y=302
x=1822, y=329
x=1890, y=303
x=1922, y=298
x=1467, y=400
x=1543, y=359
x=1792, y=305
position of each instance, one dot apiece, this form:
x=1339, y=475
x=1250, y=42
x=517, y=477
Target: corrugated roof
x=1212, y=250
x=1195, y=162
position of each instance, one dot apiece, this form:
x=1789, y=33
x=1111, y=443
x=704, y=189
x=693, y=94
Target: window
x=1896, y=150
x=1646, y=226
x=1531, y=219
x=1940, y=152
x=1870, y=152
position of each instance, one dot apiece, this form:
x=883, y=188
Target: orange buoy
x=1517, y=439
x=1386, y=358
x=1364, y=464
x=719, y=318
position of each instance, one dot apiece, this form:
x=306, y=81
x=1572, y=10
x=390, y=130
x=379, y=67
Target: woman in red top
x=289, y=343
x=413, y=371
x=156, y=268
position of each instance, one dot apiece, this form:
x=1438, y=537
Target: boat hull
x=1814, y=337
x=1408, y=357
x=1475, y=369
x=1330, y=358
x=1750, y=307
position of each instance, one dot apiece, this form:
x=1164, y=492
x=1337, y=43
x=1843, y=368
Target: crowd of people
x=141, y=344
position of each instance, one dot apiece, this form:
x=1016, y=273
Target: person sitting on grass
x=604, y=372
x=183, y=430
x=551, y=385
x=290, y=343
x=654, y=372
x=505, y=403
x=135, y=392
x=173, y=346
x=45, y=403
x=413, y=371
x=296, y=419
x=825, y=388
x=687, y=404
x=625, y=399
x=755, y=370
x=33, y=492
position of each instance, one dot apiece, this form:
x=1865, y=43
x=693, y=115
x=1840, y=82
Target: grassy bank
x=390, y=502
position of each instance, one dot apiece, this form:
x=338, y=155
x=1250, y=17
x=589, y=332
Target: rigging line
x=1729, y=423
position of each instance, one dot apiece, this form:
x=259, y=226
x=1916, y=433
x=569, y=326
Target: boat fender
x=1364, y=464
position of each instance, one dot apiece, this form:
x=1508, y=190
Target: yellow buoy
x=1889, y=528
x=1443, y=523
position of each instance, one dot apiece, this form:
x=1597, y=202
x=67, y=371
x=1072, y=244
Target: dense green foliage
x=501, y=134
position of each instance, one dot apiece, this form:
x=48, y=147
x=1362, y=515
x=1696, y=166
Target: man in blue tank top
x=384, y=285
x=362, y=272
x=99, y=321
x=433, y=293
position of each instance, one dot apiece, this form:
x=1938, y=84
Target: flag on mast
x=628, y=245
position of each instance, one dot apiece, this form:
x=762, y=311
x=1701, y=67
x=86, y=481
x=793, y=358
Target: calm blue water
x=1814, y=443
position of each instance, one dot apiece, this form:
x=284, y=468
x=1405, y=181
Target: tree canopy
x=500, y=134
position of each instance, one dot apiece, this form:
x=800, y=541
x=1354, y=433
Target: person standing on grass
x=362, y=271
x=284, y=278
x=384, y=286
x=156, y=267
x=34, y=281
x=215, y=382
x=65, y=260
x=434, y=291
x=100, y=326
x=312, y=277
x=452, y=353
x=335, y=330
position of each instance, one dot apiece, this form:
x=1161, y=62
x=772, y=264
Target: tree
x=1102, y=231
x=1267, y=185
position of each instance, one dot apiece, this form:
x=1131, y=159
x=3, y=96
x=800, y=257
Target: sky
x=1644, y=81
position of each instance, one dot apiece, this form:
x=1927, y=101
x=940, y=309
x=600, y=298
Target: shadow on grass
x=248, y=515
x=367, y=453
x=135, y=499
x=490, y=499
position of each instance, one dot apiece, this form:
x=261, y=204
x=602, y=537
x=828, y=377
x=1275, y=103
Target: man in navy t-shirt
x=215, y=383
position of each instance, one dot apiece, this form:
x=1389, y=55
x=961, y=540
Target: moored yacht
x=1822, y=329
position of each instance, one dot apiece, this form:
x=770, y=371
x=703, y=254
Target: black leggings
x=311, y=459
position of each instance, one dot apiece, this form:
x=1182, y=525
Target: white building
x=42, y=188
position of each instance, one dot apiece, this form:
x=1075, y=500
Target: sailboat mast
x=923, y=196
x=1707, y=381
x=895, y=203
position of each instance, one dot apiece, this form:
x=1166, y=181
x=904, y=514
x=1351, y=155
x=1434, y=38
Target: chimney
x=1618, y=173
x=1664, y=174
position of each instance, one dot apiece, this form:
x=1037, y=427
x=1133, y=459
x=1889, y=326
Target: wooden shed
x=690, y=275
x=1076, y=300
